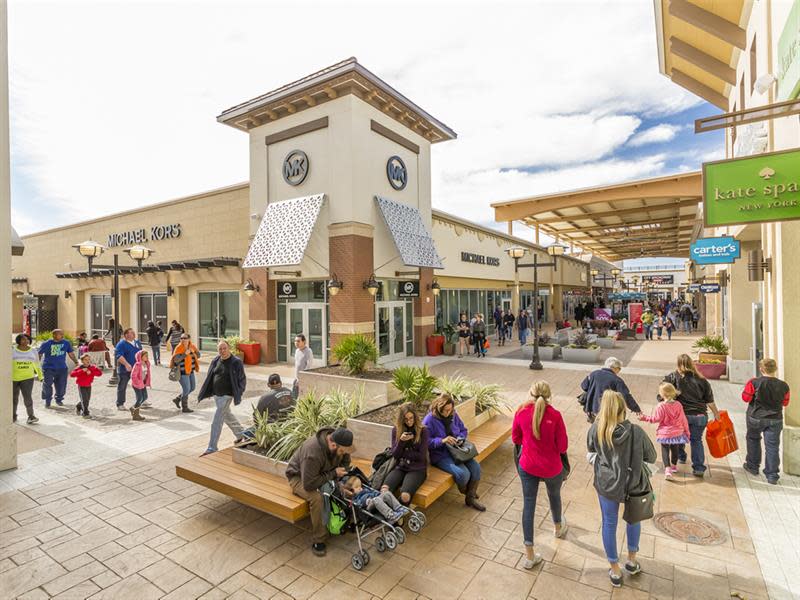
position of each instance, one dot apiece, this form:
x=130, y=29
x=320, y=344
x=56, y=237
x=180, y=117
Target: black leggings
x=86, y=395
x=669, y=454
x=405, y=481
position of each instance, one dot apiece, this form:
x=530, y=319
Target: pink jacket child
x=672, y=423
x=140, y=380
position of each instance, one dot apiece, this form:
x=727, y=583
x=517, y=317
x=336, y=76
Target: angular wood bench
x=272, y=494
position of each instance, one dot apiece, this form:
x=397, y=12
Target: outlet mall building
x=339, y=193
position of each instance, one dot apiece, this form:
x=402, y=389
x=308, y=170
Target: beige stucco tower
x=340, y=189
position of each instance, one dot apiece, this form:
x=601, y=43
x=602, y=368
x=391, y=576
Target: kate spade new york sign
x=754, y=189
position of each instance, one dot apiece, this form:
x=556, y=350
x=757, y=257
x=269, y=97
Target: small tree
x=414, y=383
x=354, y=352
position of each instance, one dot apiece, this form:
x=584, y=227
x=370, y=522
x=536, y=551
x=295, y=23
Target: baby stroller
x=364, y=522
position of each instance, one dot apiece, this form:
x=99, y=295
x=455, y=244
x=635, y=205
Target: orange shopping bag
x=486, y=342
x=720, y=436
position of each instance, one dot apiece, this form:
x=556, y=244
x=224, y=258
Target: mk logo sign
x=295, y=167
x=396, y=172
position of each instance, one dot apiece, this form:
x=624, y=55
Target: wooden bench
x=272, y=494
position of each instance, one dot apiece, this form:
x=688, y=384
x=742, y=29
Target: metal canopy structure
x=650, y=217
x=183, y=265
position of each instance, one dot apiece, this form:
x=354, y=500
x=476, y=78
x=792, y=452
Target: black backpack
x=382, y=465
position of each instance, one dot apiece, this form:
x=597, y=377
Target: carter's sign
x=715, y=251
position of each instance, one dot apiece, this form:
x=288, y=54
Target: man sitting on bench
x=322, y=458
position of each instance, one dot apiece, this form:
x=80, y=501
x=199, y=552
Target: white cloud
x=114, y=104
x=655, y=135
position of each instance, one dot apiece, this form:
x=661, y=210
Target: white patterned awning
x=412, y=239
x=284, y=232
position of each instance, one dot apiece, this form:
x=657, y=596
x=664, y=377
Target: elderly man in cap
x=601, y=380
x=322, y=458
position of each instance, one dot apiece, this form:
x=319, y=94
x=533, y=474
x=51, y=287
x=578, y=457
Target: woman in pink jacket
x=673, y=427
x=540, y=438
x=140, y=380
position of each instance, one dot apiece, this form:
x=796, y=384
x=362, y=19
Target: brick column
x=352, y=310
x=424, y=316
x=263, y=314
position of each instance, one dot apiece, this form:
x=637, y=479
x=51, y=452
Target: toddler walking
x=140, y=380
x=384, y=502
x=84, y=375
x=673, y=428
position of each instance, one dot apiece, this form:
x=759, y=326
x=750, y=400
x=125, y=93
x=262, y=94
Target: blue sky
x=113, y=104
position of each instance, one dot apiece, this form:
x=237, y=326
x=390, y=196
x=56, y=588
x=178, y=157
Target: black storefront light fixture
x=89, y=250
x=372, y=285
x=139, y=254
x=335, y=285
x=250, y=288
x=435, y=288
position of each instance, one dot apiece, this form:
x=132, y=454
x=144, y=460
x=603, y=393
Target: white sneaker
x=122, y=408
x=532, y=562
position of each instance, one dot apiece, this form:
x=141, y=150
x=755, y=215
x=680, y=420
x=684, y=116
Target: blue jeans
x=141, y=396
x=124, y=377
x=687, y=326
x=648, y=331
x=771, y=429
x=223, y=415
x=461, y=472
x=523, y=336
x=697, y=425
x=57, y=378
x=478, y=342
x=530, y=489
x=610, y=511
x=156, y=353
x=187, y=384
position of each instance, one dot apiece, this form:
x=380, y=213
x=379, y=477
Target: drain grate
x=687, y=528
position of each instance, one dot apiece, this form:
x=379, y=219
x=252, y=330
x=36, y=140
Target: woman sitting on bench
x=447, y=429
x=410, y=450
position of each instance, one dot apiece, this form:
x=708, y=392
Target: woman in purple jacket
x=446, y=428
x=410, y=450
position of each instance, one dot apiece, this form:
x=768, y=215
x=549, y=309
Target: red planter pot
x=711, y=370
x=435, y=345
x=251, y=353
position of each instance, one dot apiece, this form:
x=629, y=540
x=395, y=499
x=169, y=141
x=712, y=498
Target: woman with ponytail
x=540, y=438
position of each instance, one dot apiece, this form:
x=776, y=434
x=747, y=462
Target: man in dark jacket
x=225, y=381
x=322, y=458
x=604, y=379
x=278, y=401
x=766, y=396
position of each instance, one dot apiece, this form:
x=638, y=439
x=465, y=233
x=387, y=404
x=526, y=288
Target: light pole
x=517, y=252
x=91, y=250
x=614, y=274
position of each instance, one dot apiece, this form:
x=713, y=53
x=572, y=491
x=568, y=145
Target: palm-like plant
x=264, y=432
x=415, y=384
x=459, y=388
x=488, y=396
x=713, y=344
x=354, y=352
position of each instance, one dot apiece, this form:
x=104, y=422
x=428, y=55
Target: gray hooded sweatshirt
x=611, y=464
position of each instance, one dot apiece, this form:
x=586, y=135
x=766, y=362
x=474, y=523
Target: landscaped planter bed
x=376, y=384
x=251, y=456
x=581, y=355
x=545, y=352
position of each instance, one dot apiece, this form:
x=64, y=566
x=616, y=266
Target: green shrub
x=458, y=387
x=713, y=344
x=354, y=352
x=415, y=384
x=581, y=340
x=43, y=336
x=487, y=397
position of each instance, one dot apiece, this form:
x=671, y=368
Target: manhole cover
x=687, y=528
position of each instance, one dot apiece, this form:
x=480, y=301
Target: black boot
x=185, y=406
x=177, y=402
x=471, y=498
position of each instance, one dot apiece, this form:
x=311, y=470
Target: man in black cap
x=278, y=401
x=322, y=458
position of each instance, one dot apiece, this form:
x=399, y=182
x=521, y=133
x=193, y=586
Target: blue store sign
x=709, y=288
x=715, y=251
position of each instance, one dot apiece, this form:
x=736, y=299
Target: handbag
x=462, y=452
x=638, y=507
x=566, y=468
x=174, y=374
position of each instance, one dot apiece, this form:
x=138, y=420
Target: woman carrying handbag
x=186, y=362
x=618, y=451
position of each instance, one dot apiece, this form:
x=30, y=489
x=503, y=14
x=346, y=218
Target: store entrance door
x=308, y=319
x=392, y=324
x=152, y=307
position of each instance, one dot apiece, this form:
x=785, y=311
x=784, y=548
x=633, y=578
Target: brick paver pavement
x=130, y=529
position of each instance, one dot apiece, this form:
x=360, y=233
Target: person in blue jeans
x=766, y=397
x=54, y=354
x=697, y=398
x=447, y=429
x=125, y=356
x=618, y=450
x=226, y=382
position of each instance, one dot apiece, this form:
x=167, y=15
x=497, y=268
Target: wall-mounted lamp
x=170, y=290
x=757, y=265
x=435, y=288
x=67, y=294
x=250, y=288
x=371, y=285
x=334, y=285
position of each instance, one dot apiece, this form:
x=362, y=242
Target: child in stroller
x=373, y=500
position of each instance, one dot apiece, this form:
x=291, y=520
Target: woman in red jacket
x=540, y=431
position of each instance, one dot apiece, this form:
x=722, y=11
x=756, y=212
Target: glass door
x=152, y=307
x=394, y=330
x=308, y=319
x=218, y=316
x=101, y=313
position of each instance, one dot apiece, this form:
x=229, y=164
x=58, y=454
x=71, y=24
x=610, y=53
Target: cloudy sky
x=113, y=104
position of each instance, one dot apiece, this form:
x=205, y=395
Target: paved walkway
x=115, y=522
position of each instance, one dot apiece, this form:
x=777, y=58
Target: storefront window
x=219, y=317
x=101, y=312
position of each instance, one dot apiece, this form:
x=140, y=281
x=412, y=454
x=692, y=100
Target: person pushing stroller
x=369, y=498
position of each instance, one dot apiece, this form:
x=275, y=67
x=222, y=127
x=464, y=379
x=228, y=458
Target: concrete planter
x=545, y=352
x=376, y=393
x=243, y=456
x=562, y=336
x=605, y=342
x=581, y=355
